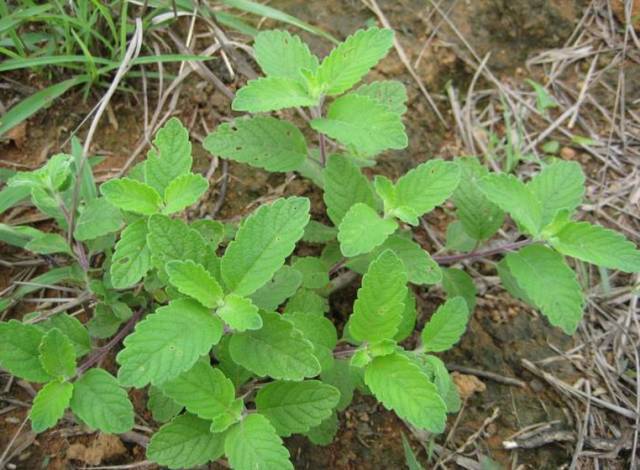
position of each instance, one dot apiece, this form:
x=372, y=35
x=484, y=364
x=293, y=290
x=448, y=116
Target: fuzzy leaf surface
x=559, y=186
x=514, y=197
x=281, y=54
x=131, y=259
x=194, y=280
x=403, y=387
x=262, y=243
x=162, y=407
x=205, y=392
x=377, y=312
x=362, y=229
x=552, y=285
x=284, y=284
x=271, y=94
x=171, y=156
x=131, y=195
x=72, y=329
x=57, y=354
x=391, y=94
x=359, y=121
x=344, y=186
x=49, y=405
x=351, y=60
x=185, y=442
x=167, y=343
x=446, y=326
x=254, y=444
x=597, y=245
x=100, y=402
x=98, y=218
x=296, y=407
x=320, y=331
x=184, y=191
x=422, y=189
x=19, y=351
x=277, y=350
x=240, y=313
x=260, y=141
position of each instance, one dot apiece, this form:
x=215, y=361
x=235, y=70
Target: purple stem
x=97, y=355
x=450, y=259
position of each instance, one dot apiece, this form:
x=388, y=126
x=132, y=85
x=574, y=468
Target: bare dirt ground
x=534, y=398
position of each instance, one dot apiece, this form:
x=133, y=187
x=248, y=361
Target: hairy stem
x=96, y=356
x=450, y=259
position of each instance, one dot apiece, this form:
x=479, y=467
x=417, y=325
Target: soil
x=502, y=331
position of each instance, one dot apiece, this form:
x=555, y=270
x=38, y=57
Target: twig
x=450, y=259
x=487, y=375
x=97, y=355
x=223, y=189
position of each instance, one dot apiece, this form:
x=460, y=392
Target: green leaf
x=443, y=381
x=296, y=407
x=345, y=378
x=320, y=331
x=100, y=402
x=48, y=243
x=281, y=54
x=72, y=329
x=207, y=393
x=315, y=273
x=238, y=374
x=316, y=232
x=49, y=405
x=377, y=312
x=344, y=186
x=559, y=186
x=543, y=99
x=510, y=283
x=456, y=282
x=131, y=195
x=172, y=239
x=324, y=433
x=354, y=240
x=359, y=121
x=98, y=218
x=458, y=239
x=402, y=387
x=597, y=245
x=306, y=300
x=211, y=230
x=391, y=94
x=105, y=322
x=167, y=342
x=185, y=442
x=161, y=406
x=276, y=350
x=514, y=197
x=184, y=191
x=479, y=217
x=19, y=351
x=545, y=278
x=409, y=456
x=271, y=94
x=409, y=317
x=421, y=268
x=284, y=284
x=446, y=326
x=262, y=243
x=240, y=313
x=131, y=259
x=254, y=444
x=194, y=280
x=57, y=354
x=171, y=156
x=351, y=60
x=260, y=141
x=422, y=189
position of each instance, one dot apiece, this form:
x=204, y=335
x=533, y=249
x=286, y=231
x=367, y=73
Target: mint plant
x=227, y=330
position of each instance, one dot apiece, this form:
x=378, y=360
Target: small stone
x=567, y=153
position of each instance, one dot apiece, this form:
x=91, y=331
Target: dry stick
x=132, y=52
x=487, y=375
x=373, y=6
x=11, y=442
x=563, y=386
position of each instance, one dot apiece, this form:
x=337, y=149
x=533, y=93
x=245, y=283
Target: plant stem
x=97, y=355
x=450, y=259
x=323, y=150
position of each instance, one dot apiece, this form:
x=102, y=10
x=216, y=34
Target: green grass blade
x=34, y=103
x=235, y=23
x=278, y=15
